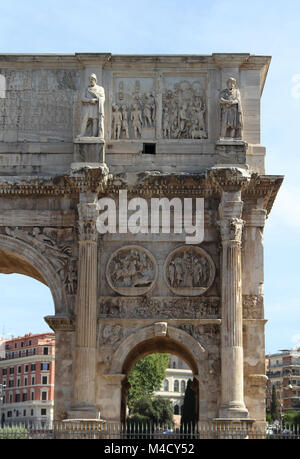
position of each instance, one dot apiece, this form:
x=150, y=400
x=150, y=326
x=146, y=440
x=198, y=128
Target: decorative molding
x=60, y=323
x=159, y=307
x=253, y=307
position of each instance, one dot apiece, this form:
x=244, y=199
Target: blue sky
x=189, y=27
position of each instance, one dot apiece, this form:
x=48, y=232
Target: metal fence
x=147, y=431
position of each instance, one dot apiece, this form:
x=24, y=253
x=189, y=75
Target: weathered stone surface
x=157, y=129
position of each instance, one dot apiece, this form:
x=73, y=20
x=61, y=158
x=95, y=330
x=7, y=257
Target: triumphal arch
x=85, y=134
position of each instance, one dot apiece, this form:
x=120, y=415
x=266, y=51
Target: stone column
x=232, y=376
x=86, y=312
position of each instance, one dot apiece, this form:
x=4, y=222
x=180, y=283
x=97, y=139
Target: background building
x=174, y=385
x=283, y=371
x=27, y=379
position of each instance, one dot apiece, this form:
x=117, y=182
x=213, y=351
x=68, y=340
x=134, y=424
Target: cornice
x=148, y=184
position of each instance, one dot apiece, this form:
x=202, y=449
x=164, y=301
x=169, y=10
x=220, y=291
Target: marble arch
x=19, y=257
x=167, y=127
x=152, y=339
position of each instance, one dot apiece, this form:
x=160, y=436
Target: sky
x=190, y=27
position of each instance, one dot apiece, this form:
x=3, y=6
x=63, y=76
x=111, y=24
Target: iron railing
x=146, y=431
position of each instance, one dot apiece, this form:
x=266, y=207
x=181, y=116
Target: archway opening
x=180, y=368
x=27, y=344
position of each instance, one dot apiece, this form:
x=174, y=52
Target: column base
x=228, y=412
x=85, y=413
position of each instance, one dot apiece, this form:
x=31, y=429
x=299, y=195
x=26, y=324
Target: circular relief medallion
x=189, y=271
x=131, y=271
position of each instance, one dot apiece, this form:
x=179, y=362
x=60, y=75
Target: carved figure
x=124, y=125
x=231, y=111
x=166, y=123
x=137, y=122
x=117, y=121
x=93, y=109
x=147, y=112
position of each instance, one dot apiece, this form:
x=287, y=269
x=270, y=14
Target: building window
x=176, y=386
x=32, y=395
x=45, y=366
x=44, y=379
x=17, y=398
x=44, y=396
x=24, y=397
x=4, y=371
x=31, y=412
x=182, y=386
x=46, y=351
x=43, y=412
x=11, y=370
x=32, y=380
x=166, y=385
x=25, y=368
x=19, y=369
x=25, y=381
x=33, y=367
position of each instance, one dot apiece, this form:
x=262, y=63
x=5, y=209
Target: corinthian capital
x=87, y=213
x=231, y=229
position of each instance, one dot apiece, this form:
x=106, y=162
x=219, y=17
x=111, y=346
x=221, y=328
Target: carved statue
x=137, y=122
x=231, y=111
x=166, y=123
x=125, y=131
x=93, y=109
x=117, y=121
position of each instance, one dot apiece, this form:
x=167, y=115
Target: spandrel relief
x=184, y=110
x=189, y=271
x=131, y=271
x=133, y=109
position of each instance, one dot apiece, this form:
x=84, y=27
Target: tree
x=274, y=408
x=146, y=377
x=157, y=410
x=189, y=411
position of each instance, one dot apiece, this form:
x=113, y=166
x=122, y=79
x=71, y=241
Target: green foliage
x=146, y=377
x=14, y=432
x=157, y=410
x=292, y=417
x=189, y=409
x=275, y=408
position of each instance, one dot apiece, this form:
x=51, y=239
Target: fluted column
x=232, y=375
x=86, y=314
